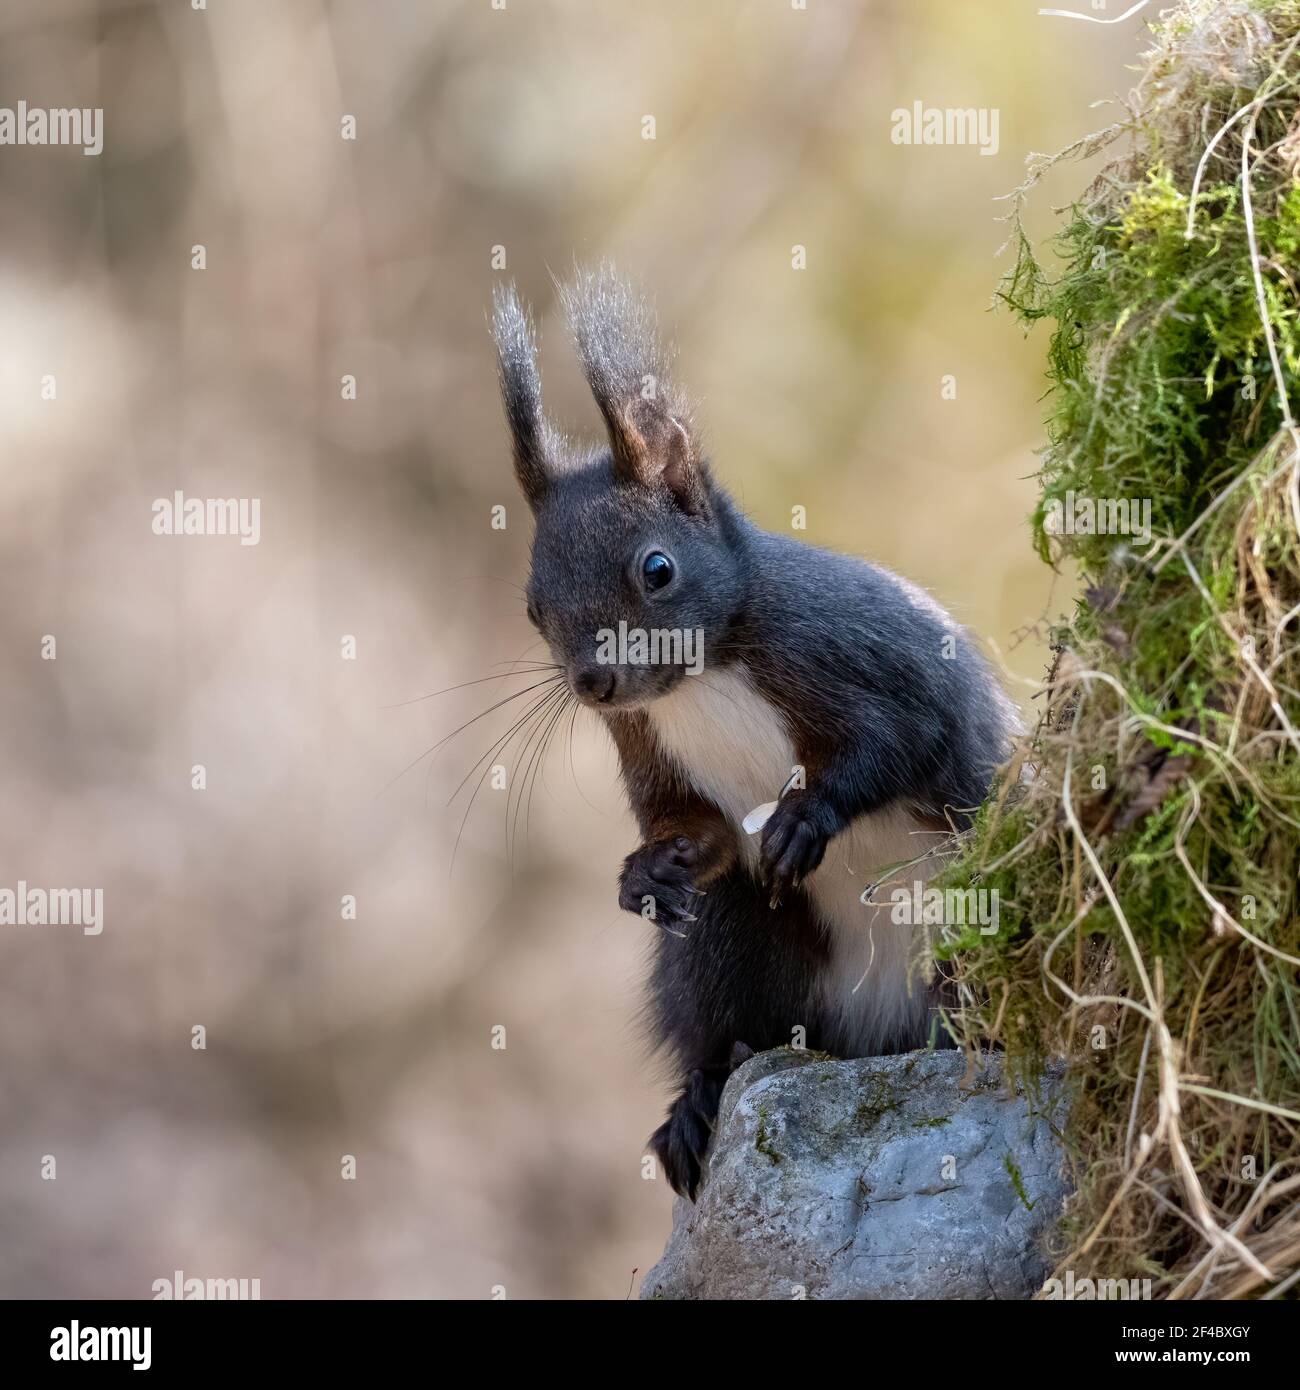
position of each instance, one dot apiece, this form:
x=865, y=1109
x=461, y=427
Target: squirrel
x=836, y=688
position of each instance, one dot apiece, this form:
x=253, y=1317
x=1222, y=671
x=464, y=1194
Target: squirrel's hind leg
x=737, y=979
x=682, y=1140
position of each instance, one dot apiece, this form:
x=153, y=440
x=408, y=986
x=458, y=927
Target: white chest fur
x=733, y=746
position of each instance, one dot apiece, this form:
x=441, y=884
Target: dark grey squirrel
x=827, y=685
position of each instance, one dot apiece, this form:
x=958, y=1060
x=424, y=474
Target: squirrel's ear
x=535, y=451
x=649, y=427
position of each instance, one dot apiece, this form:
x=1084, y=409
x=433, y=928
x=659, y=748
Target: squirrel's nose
x=595, y=682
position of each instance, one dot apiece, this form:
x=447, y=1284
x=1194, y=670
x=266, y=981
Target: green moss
x=762, y=1138
x=878, y=1099
x=1017, y=1182
x=1173, y=756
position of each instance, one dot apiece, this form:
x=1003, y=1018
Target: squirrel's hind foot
x=683, y=1139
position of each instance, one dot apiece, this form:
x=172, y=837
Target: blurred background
x=482, y=133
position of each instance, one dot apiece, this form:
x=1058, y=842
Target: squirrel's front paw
x=794, y=840
x=657, y=881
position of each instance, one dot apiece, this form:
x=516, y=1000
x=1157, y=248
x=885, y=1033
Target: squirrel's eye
x=533, y=616
x=657, y=569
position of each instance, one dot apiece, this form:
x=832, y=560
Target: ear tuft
x=629, y=374
x=521, y=394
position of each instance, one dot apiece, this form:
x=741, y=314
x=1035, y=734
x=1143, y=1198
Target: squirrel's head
x=634, y=579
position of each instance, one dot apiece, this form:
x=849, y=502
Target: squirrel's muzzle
x=595, y=684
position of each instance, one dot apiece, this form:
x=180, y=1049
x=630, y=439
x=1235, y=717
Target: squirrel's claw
x=794, y=841
x=660, y=874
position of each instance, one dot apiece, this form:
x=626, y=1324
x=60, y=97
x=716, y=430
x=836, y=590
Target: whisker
x=539, y=768
x=500, y=743
x=481, y=680
x=573, y=771
x=535, y=740
x=517, y=695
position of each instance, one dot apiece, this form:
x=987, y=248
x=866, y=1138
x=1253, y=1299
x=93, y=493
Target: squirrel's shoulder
x=793, y=571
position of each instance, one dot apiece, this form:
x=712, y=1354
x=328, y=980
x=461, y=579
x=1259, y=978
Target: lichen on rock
x=882, y=1178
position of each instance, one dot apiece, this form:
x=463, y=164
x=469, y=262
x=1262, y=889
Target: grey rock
x=883, y=1178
